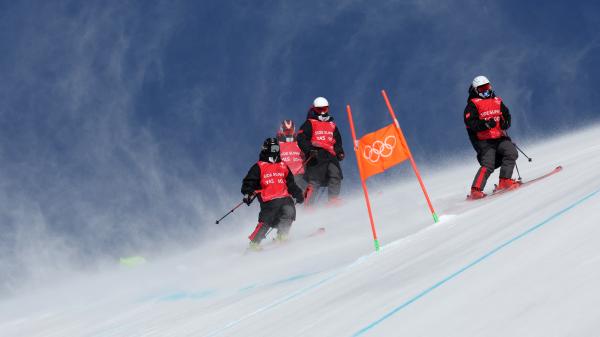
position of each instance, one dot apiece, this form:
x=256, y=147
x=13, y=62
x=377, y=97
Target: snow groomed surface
x=525, y=263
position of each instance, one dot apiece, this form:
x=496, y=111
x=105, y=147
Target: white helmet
x=482, y=87
x=480, y=80
x=320, y=102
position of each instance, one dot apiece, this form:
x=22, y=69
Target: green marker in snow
x=132, y=261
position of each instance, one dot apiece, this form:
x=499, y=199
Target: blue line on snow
x=197, y=295
x=291, y=296
x=478, y=260
x=182, y=295
x=281, y=281
x=250, y=287
x=273, y=304
x=292, y=278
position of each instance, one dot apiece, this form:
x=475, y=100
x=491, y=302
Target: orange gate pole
x=364, y=185
x=410, y=157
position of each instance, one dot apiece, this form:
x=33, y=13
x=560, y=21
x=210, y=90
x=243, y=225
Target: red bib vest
x=489, y=109
x=273, y=180
x=291, y=155
x=322, y=135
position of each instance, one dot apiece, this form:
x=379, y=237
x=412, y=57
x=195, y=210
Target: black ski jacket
x=305, y=136
x=251, y=181
x=474, y=124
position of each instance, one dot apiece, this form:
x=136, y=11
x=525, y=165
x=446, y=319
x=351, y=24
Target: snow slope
x=523, y=264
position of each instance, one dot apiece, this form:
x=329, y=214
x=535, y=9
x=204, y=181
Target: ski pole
x=233, y=209
x=236, y=207
x=518, y=174
x=518, y=148
x=303, y=164
x=307, y=160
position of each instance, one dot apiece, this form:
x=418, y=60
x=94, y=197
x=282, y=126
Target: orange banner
x=380, y=150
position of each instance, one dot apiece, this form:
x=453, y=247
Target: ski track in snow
x=486, y=269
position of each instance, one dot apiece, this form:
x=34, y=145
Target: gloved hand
x=490, y=123
x=341, y=156
x=299, y=198
x=313, y=153
x=504, y=124
x=248, y=199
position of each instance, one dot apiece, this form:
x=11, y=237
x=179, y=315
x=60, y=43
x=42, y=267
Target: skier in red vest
x=321, y=142
x=291, y=153
x=272, y=182
x=486, y=117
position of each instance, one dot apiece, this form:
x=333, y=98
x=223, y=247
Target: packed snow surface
x=526, y=263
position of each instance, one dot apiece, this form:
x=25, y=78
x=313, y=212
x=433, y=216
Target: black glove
x=313, y=153
x=299, y=198
x=504, y=124
x=490, y=123
x=248, y=199
x=341, y=156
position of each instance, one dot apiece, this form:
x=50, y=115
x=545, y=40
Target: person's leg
x=301, y=182
x=508, y=153
x=311, y=193
x=316, y=175
x=266, y=219
x=259, y=233
x=334, y=181
x=287, y=215
x=487, y=160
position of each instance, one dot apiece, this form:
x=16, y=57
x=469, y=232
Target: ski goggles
x=287, y=132
x=321, y=109
x=485, y=91
x=484, y=88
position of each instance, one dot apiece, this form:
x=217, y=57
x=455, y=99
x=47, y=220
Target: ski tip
x=320, y=230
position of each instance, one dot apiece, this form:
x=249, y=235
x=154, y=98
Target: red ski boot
x=507, y=184
x=476, y=194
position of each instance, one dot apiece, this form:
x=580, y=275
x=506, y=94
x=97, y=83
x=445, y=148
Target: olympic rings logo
x=380, y=149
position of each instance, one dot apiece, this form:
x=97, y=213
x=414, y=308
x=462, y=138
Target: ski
x=274, y=243
x=320, y=230
x=521, y=184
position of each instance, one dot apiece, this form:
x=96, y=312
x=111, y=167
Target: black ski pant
x=493, y=154
x=329, y=175
x=277, y=213
x=301, y=181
